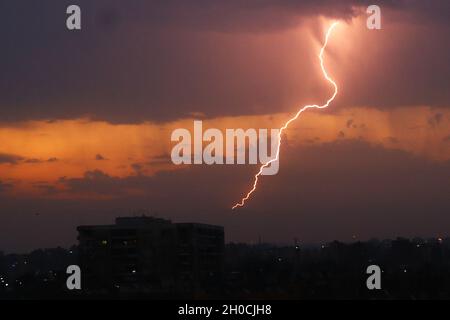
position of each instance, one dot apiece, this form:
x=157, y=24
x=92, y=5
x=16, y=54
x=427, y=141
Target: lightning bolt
x=286, y=125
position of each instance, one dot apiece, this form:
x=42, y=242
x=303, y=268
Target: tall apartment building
x=146, y=254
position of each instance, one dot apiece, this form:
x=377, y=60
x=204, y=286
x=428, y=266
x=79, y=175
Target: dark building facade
x=151, y=255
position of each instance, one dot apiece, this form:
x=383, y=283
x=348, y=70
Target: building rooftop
x=144, y=221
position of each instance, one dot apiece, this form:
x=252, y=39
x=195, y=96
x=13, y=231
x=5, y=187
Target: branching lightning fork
x=327, y=77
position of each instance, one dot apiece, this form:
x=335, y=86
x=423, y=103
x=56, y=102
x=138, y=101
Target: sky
x=86, y=117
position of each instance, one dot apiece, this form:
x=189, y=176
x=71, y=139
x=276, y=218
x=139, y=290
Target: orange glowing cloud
x=46, y=151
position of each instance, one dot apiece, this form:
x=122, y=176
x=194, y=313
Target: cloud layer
x=160, y=60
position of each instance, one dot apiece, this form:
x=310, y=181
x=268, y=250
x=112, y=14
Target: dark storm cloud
x=157, y=60
x=96, y=182
x=343, y=172
x=322, y=192
x=9, y=158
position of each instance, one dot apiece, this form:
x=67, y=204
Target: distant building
x=146, y=254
